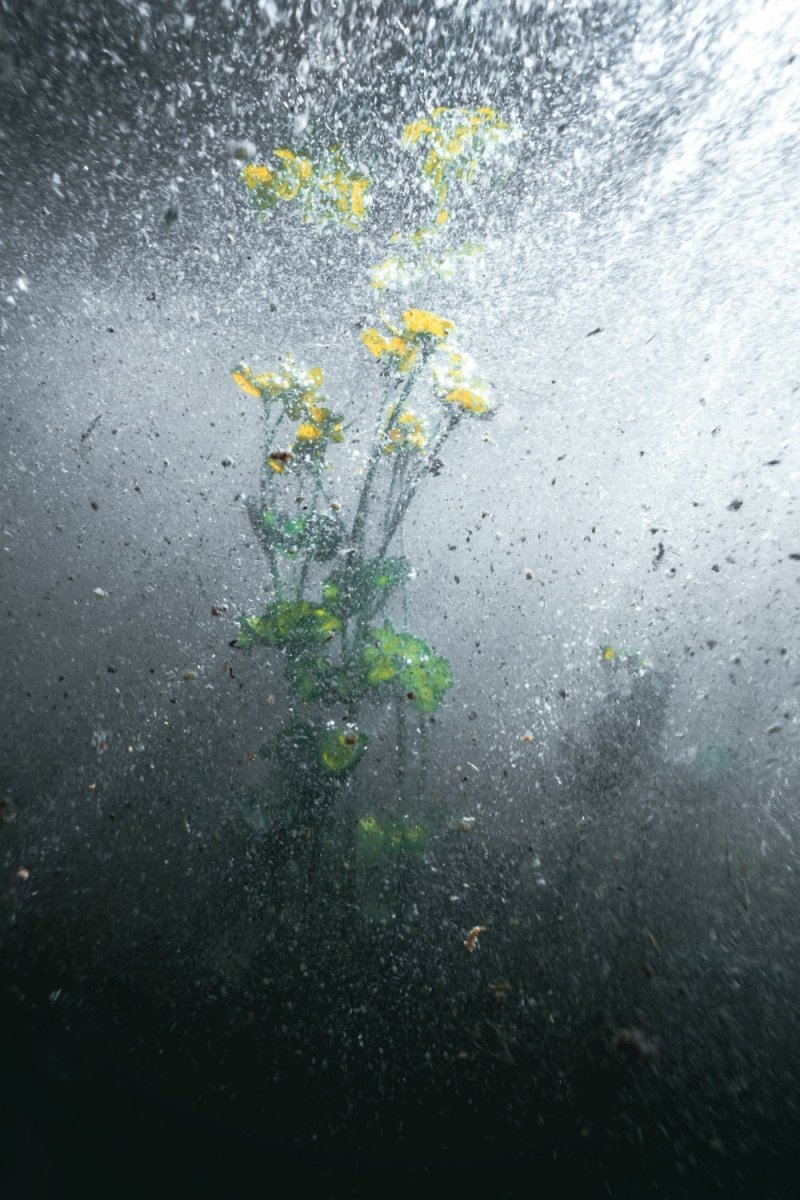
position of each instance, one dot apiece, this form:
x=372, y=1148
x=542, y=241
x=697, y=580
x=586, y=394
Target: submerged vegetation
x=335, y=577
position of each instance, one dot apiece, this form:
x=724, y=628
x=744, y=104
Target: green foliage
x=340, y=749
x=306, y=749
x=364, y=585
x=408, y=661
x=381, y=841
x=312, y=677
x=319, y=532
x=288, y=622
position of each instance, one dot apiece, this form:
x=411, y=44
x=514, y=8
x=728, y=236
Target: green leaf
x=408, y=660
x=319, y=531
x=325, y=535
x=288, y=622
x=380, y=841
x=312, y=677
x=365, y=584
x=341, y=749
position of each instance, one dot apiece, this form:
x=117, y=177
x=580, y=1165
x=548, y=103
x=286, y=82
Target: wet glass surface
x=401, y=554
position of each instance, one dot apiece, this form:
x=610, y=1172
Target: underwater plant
x=334, y=579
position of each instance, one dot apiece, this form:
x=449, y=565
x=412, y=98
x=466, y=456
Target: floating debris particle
x=775, y=729
x=466, y=824
x=240, y=150
x=87, y=433
x=471, y=940
x=7, y=811
x=500, y=989
x=189, y=676
x=99, y=594
x=635, y=1045
x=24, y=874
x=101, y=739
x=735, y=505
x=218, y=610
x=527, y=737
x=529, y=574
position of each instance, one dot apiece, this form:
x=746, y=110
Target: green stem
x=408, y=493
x=422, y=778
x=303, y=575
x=362, y=509
x=402, y=741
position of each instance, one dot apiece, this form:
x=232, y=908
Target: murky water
x=400, y=743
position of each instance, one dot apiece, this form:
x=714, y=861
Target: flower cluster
x=421, y=330
x=342, y=192
x=457, y=139
x=298, y=391
x=328, y=190
x=405, y=432
x=285, y=181
x=458, y=383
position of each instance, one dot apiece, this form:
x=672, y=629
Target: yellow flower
x=359, y=187
x=243, y=377
x=396, y=347
x=375, y=342
x=407, y=434
x=295, y=387
x=419, y=322
x=469, y=401
x=341, y=192
x=255, y=174
x=458, y=382
x=413, y=132
x=307, y=432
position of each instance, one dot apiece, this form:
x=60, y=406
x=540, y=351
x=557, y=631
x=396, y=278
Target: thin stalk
x=303, y=575
x=362, y=509
x=265, y=480
x=410, y=490
x=424, y=750
x=402, y=744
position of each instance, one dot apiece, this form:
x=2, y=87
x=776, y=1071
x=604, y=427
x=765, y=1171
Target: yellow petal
x=374, y=341
x=243, y=380
x=468, y=400
x=307, y=432
x=419, y=321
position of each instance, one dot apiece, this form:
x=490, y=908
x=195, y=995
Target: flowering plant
x=335, y=574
